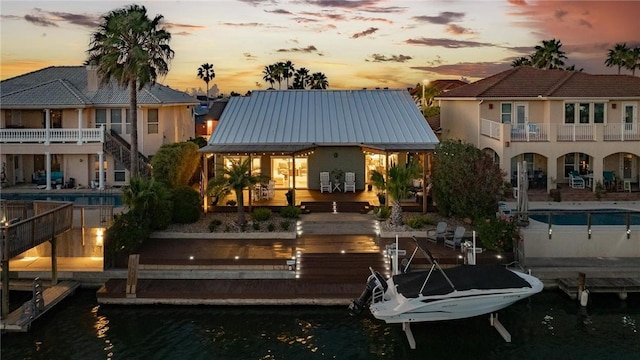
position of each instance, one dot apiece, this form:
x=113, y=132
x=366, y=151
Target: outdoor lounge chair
x=575, y=180
x=438, y=233
x=325, y=184
x=454, y=240
x=350, y=181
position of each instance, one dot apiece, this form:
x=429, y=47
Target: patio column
x=79, y=126
x=293, y=167
x=101, y=170
x=598, y=169
x=47, y=157
x=47, y=126
x=424, y=183
x=205, y=181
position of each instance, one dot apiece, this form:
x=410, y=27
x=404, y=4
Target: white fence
x=47, y=136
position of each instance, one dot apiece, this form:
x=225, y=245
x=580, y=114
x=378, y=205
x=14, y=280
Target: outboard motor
x=357, y=306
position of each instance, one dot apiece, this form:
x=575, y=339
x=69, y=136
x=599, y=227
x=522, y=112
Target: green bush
x=186, y=205
x=284, y=225
x=271, y=227
x=149, y=201
x=213, y=225
x=420, y=221
x=174, y=164
x=498, y=234
x=125, y=235
x=261, y=214
x=290, y=212
x=256, y=225
x=382, y=212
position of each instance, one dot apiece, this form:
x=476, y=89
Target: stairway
x=120, y=149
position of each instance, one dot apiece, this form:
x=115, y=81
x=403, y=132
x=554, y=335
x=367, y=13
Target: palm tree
x=617, y=56
x=521, y=61
x=633, y=60
x=398, y=185
x=301, y=78
x=319, y=81
x=134, y=50
x=278, y=73
x=549, y=55
x=206, y=73
x=239, y=177
x=287, y=71
x=268, y=73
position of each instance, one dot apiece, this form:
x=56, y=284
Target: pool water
x=76, y=199
x=580, y=217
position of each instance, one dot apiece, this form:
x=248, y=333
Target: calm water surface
x=547, y=326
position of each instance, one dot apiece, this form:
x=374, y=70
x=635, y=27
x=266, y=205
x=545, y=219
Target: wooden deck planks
x=600, y=285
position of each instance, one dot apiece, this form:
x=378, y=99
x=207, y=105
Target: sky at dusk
x=355, y=43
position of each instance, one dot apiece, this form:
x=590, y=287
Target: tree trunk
x=240, y=204
x=396, y=214
x=133, y=112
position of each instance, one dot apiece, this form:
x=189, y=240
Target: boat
x=437, y=294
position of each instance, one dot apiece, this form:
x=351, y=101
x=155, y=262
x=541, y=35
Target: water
x=76, y=199
x=598, y=217
x=547, y=326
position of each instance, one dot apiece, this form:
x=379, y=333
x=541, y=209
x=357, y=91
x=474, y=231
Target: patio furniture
x=576, y=181
x=350, y=181
x=453, y=241
x=609, y=180
x=437, y=235
x=325, y=183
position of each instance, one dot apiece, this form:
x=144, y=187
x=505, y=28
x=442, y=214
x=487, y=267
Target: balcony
x=52, y=136
x=545, y=132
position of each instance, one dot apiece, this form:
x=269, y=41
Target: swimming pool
x=76, y=199
x=579, y=217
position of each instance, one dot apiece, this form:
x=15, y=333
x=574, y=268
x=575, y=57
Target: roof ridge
x=147, y=89
x=32, y=87
x=562, y=81
x=507, y=74
x=75, y=91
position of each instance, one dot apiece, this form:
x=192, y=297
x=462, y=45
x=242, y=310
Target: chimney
x=93, y=79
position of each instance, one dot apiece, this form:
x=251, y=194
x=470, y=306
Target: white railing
x=490, y=128
x=530, y=132
x=621, y=132
x=79, y=135
x=576, y=132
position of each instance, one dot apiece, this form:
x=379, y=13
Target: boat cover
x=464, y=277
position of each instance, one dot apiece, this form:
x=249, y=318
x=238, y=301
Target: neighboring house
x=558, y=121
x=207, y=122
x=293, y=135
x=59, y=123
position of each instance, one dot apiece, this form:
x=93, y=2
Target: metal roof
x=273, y=119
x=66, y=86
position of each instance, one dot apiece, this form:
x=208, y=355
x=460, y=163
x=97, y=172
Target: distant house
x=558, y=121
x=206, y=123
x=60, y=120
x=294, y=135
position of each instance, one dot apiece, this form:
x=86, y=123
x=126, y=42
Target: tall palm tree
x=278, y=73
x=133, y=50
x=301, y=78
x=268, y=75
x=548, y=55
x=206, y=73
x=238, y=176
x=521, y=61
x=398, y=185
x=617, y=56
x=319, y=81
x=633, y=60
x=287, y=71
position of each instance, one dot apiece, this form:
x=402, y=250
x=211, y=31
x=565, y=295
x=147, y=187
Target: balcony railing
x=576, y=132
x=47, y=136
x=530, y=132
x=621, y=132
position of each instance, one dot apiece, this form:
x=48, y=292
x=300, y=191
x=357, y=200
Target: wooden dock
x=620, y=286
x=20, y=319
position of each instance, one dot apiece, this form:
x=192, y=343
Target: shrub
x=213, y=225
x=382, y=212
x=256, y=225
x=498, y=234
x=271, y=227
x=186, y=205
x=125, y=235
x=261, y=214
x=418, y=222
x=290, y=212
x=284, y=225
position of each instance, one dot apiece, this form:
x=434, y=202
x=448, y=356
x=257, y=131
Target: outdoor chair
x=350, y=181
x=438, y=233
x=575, y=180
x=325, y=183
x=454, y=240
x=609, y=180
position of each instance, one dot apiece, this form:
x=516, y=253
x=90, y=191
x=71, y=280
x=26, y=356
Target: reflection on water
x=549, y=326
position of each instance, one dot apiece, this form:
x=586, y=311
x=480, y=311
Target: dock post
x=582, y=279
x=54, y=261
x=132, y=275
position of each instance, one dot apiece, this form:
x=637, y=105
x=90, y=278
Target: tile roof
x=382, y=119
x=529, y=82
x=66, y=86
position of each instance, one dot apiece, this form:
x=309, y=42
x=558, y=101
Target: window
x=569, y=113
x=101, y=117
x=96, y=168
x=506, y=111
x=152, y=121
x=569, y=164
x=119, y=174
x=116, y=120
x=598, y=113
x=56, y=119
x=584, y=113
x=127, y=120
